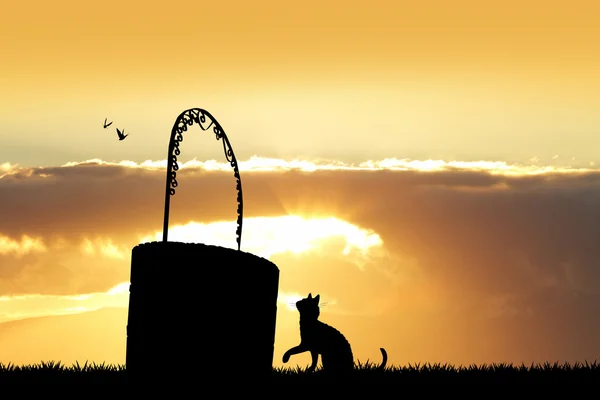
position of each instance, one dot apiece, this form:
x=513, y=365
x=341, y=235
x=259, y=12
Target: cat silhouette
x=321, y=339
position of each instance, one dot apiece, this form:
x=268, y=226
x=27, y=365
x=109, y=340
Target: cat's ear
x=317, y=297
x=310, y=296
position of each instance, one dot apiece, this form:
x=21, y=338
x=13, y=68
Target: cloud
x=104, y=247
x=7, y=168
x=265, y=164
x=37, y=305
x=266, y=239
x=477, y=251
x=20, y=247
x=65, y=266
x=464, y=213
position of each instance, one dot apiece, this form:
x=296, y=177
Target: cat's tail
x=384, y=362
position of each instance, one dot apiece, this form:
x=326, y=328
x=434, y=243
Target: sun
x=267, y=236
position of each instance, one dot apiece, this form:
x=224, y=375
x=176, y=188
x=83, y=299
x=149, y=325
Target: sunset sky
x=430, y=168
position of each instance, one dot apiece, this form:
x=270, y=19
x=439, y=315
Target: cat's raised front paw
x=286, y=357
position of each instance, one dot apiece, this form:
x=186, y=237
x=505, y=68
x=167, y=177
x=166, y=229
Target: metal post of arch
x=199, y=116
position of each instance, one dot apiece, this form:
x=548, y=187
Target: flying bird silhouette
x=121, y=134
x=105, y=124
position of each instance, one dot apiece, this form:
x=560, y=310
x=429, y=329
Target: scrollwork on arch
x=185, y=119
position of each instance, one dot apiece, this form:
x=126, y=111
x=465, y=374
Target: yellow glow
x=24, y=246
x=6, y=168
x=121, y=288
x=87, y=247
x=264, y=164
x=37, y=305
x=263, y=235
x=414, y=89
x=289, y=299
x=105, y=247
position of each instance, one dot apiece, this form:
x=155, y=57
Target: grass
x=546, y=373
x=56, y=372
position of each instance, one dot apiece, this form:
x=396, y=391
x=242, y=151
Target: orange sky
x=508, y=80
x=467, y=131
x=463, y=264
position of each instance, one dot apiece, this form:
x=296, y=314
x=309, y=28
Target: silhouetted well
x=197, y=310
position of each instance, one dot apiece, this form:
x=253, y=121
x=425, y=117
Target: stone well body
x=196, y=307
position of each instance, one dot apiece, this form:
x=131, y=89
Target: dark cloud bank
x=514, y=259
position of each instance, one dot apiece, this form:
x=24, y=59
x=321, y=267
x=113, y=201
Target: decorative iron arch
x=188, y=117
